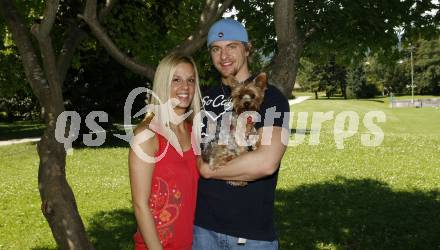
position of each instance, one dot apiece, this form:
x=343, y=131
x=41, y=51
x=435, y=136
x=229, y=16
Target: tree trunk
x=285, y=72
x=290, y=46
x=344, y=89
x=58, y=202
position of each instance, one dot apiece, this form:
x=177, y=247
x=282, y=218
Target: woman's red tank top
x=173, y=197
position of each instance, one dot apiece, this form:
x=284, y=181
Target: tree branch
x=22, y=39
x=210, y=13
x=42, y=33
x=64, y=61
x=43, y=29
x=98, y=31
x=195, y=41
x=90, y=10
x=75, y=35
x=311, y=30
x=104, y=12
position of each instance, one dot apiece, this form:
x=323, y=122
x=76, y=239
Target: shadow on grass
x=112, y=229
x=339, y=214
x=20, y=130
x=109, y=230
x=111, y=141
x=342, y=99
x=357, y=214
x=27, y=129
x=293, y=131
x=372, y=100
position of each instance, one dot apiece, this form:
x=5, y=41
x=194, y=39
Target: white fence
x=418, y=103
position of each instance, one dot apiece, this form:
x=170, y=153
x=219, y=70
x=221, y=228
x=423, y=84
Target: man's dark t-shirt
x=245, y=212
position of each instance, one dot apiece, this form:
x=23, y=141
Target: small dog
x=237, y=134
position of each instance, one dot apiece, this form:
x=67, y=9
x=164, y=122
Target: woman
x=162, y=163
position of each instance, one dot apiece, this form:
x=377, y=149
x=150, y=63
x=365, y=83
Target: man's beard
x=233, y=73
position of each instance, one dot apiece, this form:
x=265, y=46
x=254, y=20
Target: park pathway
x=297, y=100
x=15, y=141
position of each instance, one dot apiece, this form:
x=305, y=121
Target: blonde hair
x=162, y=90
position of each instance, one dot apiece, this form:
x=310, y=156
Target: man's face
x=230, y=58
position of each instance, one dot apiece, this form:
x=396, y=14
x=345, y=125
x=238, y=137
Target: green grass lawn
x=99, y=180
x=359, y=197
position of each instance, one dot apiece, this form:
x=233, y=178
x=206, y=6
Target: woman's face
x=183, y=86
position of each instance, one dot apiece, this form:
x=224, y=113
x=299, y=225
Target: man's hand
x=204, y=169
x=253, y=165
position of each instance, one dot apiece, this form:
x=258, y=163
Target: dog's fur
x=228, y=144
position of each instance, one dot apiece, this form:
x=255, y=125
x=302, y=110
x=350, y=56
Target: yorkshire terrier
x=237, y=134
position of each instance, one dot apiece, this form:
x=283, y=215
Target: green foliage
x=349, y=28
x=329, y=77
x=259, y=24
x=375, y=73
x=12, y=77
x=396, y=75
x=357, y=85
x=16, y=99
x=100, y=83
x=427, y=66
x=143, y=29
x=343, y=28
x=32, y=9
x=147, y=30
x=306, y=77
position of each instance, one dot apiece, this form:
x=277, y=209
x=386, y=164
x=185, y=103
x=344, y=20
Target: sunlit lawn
x=100, y=183
x=359, y=197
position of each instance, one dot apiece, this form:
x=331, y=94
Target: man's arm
x=253, y=165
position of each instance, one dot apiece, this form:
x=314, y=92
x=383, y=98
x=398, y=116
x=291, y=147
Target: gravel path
x=299, y=99
x=15, y=141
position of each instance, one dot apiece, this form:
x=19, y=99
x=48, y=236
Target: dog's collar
x=249, y=79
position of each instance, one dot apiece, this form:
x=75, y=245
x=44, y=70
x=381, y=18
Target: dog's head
x=249, y=95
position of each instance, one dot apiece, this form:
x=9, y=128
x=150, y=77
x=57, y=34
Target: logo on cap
x=220, y=34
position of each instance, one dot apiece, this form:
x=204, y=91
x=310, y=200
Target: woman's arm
x=141, y=171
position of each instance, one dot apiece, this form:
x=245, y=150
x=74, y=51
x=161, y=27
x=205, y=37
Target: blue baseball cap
x=227, y=30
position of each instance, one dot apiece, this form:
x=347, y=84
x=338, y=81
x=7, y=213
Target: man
x=229, y=217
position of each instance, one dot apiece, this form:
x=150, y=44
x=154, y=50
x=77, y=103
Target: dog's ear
x=261, y=81
x=230, y=81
